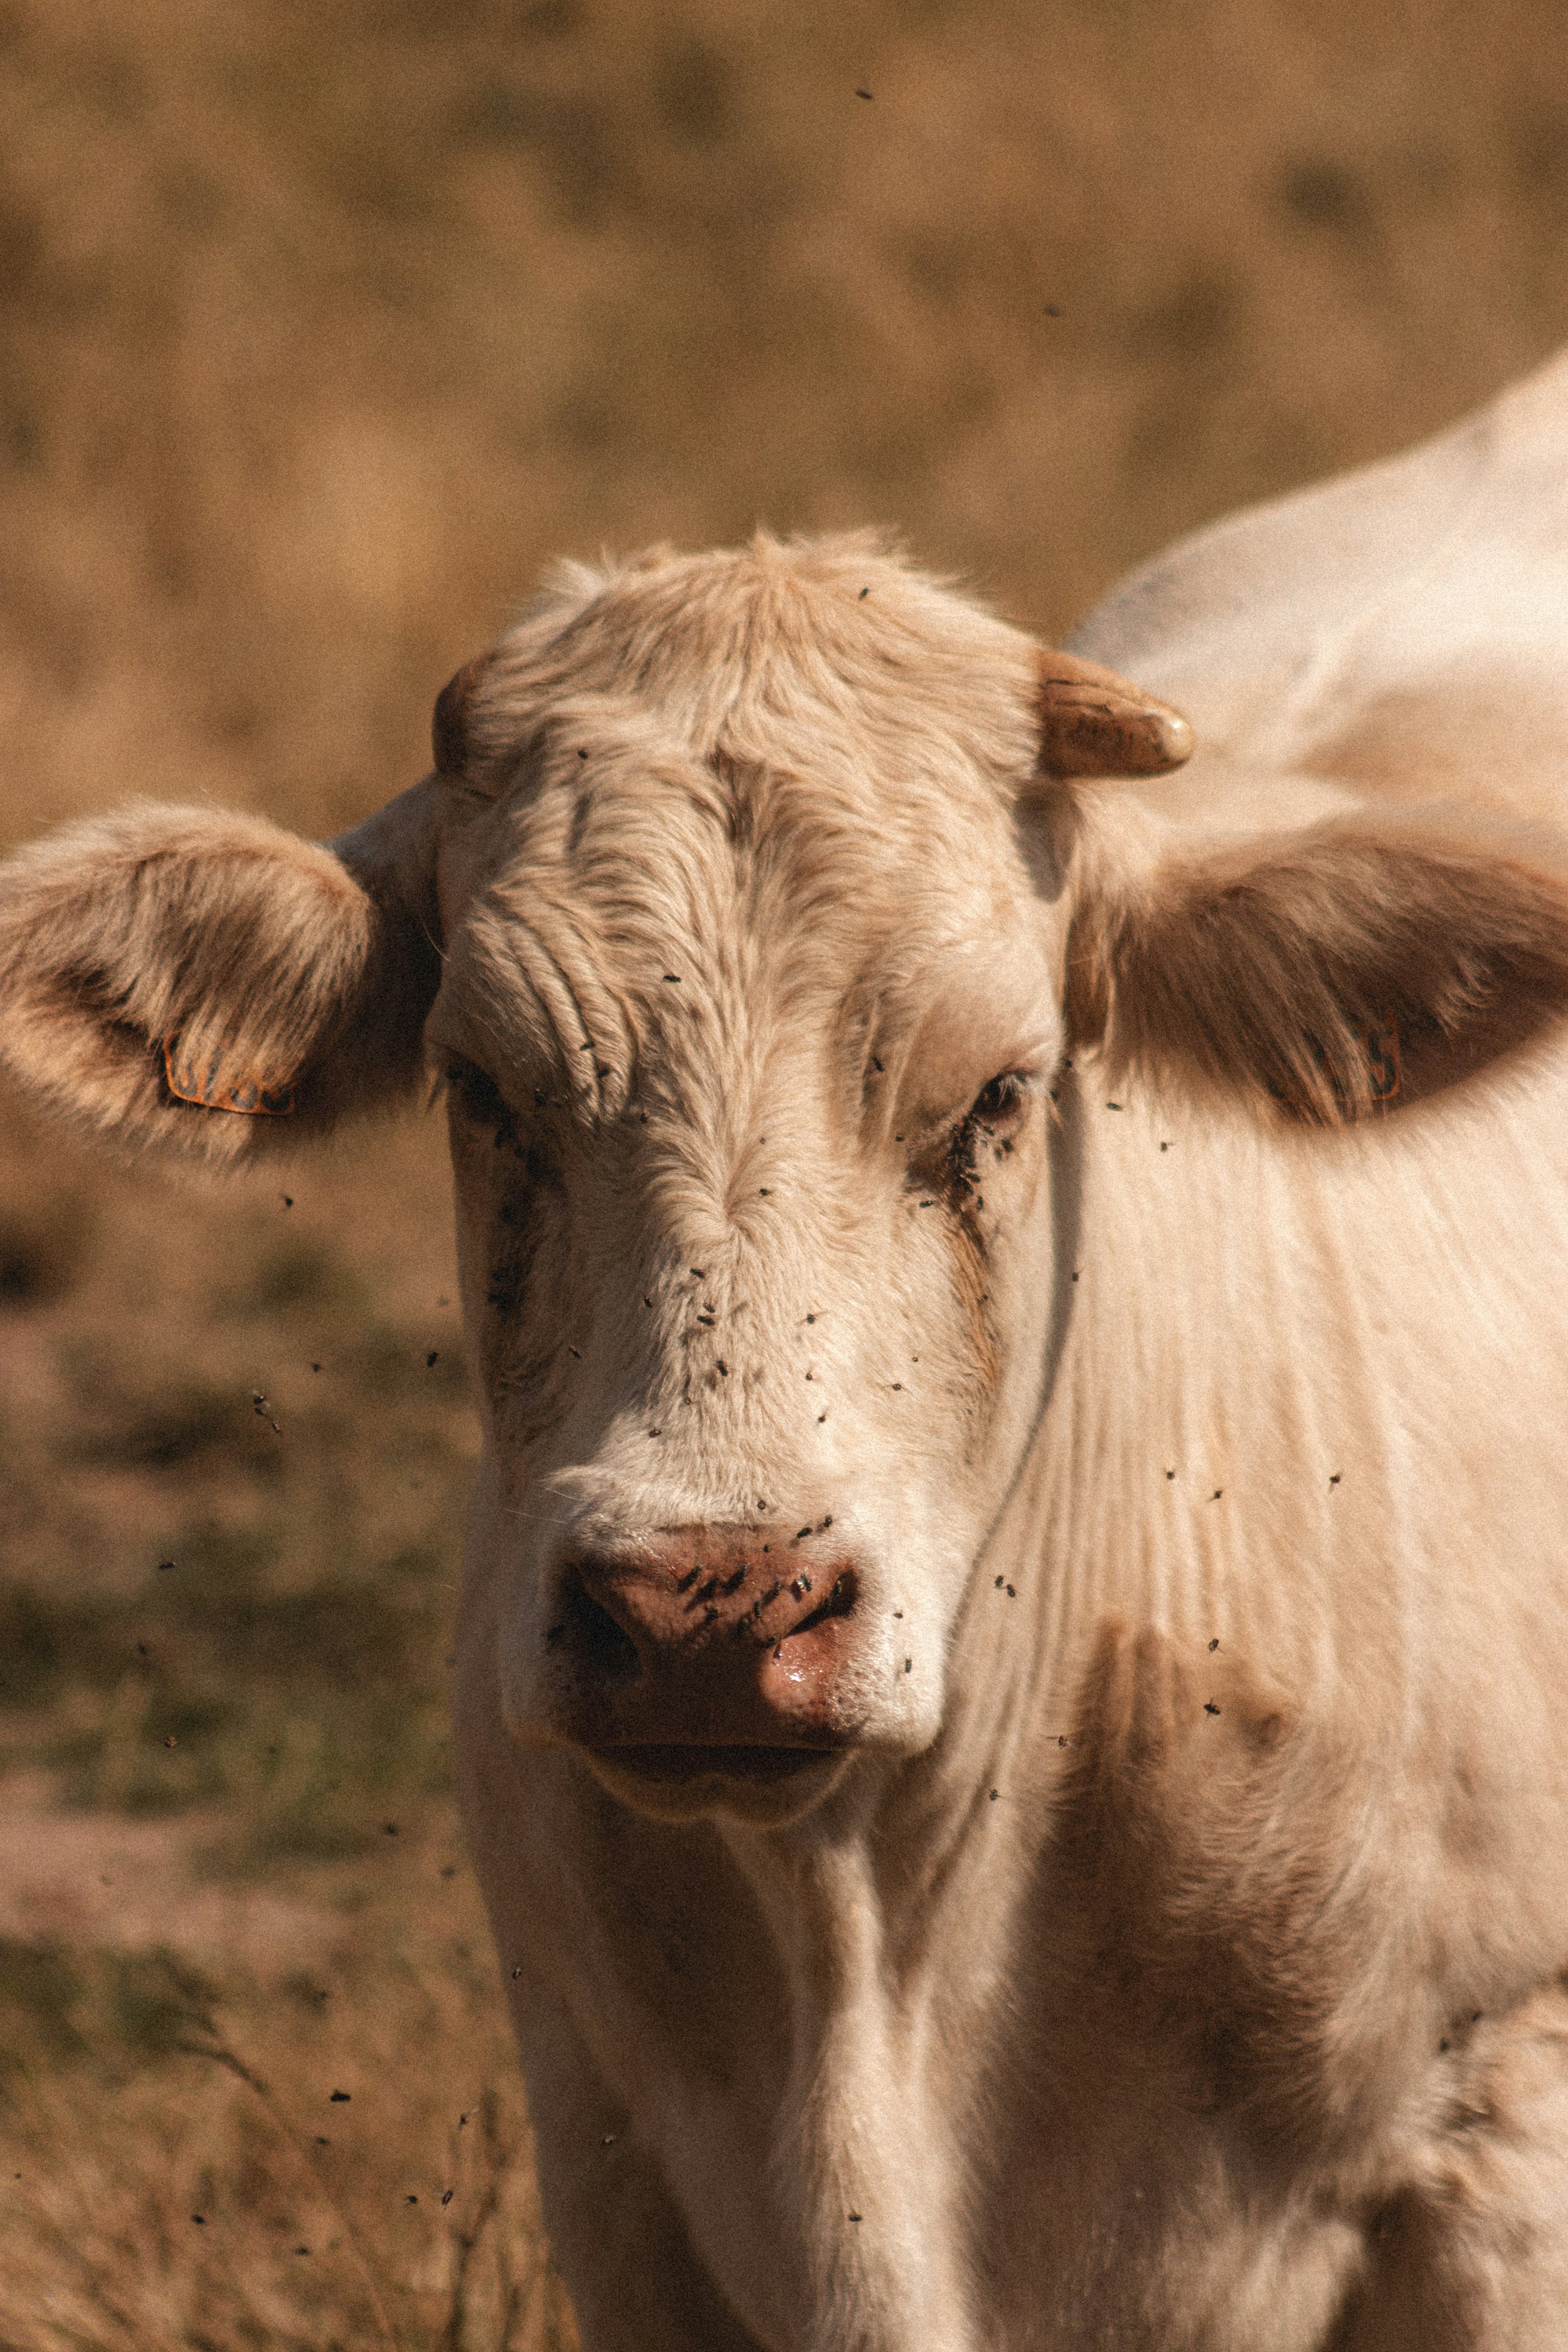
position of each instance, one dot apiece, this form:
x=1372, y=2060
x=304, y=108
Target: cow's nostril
x=837, y=1602
x=592, y=1634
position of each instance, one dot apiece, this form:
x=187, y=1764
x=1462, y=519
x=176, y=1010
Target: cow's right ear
x=1322, y=974
x=205, y=984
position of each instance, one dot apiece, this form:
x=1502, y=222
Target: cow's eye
x=999, y=1106
x=475, y=1092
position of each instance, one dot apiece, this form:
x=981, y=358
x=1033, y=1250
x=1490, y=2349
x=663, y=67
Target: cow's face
x=747, y=915
x=750, y=1018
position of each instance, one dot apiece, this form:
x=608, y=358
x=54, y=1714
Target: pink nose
x=721, y=1637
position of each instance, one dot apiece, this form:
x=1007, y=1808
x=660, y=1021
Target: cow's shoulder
x=1217, y=1888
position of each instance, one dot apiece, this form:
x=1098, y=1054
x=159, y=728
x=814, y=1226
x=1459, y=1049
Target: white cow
x=1013, y=1703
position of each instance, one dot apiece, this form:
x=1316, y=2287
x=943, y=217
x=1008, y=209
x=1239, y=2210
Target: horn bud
x=1094, y=723
x=450, y=720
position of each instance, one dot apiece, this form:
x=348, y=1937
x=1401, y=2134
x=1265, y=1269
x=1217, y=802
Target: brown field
x=323, y=329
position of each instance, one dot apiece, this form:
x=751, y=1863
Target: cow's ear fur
x=1323, y=975
x=252, y=966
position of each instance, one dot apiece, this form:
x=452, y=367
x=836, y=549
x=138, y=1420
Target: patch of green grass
x=214, y=1596
x=39, y=1993
x=112, y=2010
x=303, y=1706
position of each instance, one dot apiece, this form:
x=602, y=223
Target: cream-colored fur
x=1171, y=1957
x=255, y=957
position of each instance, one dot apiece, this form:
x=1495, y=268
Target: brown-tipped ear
x=450, y=720
x=1325, y=974
x=207, y=985
x=1093, y=723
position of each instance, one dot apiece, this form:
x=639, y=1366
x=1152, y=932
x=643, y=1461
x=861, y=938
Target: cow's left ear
x=206, y=986
x=1322, y=974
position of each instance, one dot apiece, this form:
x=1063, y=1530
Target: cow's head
x=747, y=919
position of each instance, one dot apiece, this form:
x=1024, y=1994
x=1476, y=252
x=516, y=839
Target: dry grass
x=230, y=1877
x=327, y=326
x=323, y=329
x=177, y=2174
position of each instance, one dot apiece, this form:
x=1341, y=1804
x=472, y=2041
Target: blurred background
x=323, y=327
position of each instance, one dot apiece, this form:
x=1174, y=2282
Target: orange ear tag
x=209, y=1091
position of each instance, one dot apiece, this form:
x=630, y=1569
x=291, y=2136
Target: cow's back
x=1397, y=633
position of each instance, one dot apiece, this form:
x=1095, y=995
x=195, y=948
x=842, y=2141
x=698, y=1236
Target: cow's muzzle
x=711, y=1649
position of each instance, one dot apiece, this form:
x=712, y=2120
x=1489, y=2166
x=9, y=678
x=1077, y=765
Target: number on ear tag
x=1380, y=1043
x=211, y=1090
x=1383, y=1072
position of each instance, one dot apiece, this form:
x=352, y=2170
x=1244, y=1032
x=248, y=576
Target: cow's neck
x=892, y=1912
